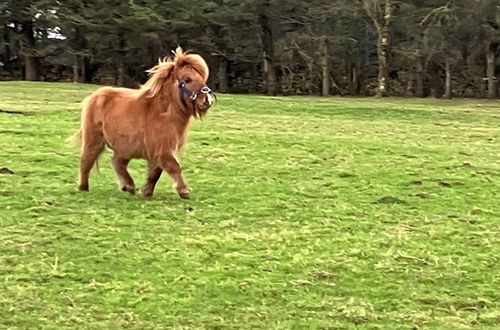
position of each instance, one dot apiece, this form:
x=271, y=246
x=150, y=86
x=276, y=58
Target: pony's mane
x=168, y=66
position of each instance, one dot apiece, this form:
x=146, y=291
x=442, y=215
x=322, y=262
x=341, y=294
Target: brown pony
x=149, y=123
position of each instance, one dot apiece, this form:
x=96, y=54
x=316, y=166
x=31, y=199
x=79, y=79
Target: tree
x=20, y=17
x=73, y=21
x=491, y=25
x=435, y=26
x=267, y=38
x=415, y=47
x=380, y=13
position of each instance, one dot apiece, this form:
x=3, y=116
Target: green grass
x=306, y=212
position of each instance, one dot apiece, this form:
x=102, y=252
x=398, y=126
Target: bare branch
x=435, y=11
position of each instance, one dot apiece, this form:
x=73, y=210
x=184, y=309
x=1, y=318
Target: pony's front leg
x=171, y=166
x=154, y=173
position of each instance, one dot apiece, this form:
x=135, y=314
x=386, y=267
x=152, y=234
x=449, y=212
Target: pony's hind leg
x=126, y=183
x=92, y=147
x=154, y=173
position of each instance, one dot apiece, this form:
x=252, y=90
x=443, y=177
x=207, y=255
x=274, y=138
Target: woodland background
x=438, y=48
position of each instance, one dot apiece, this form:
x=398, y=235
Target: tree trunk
x=383, y=72
x=381, y=16
x=31, y=61
x=410, y=87
x=120, y=79
x=268, y=47
x=269, y=75
x=7, y=43
x=76, y=71
x=220, y=37
x=325, y=85
x=254, y=87
x=85, y=76
x=222, y=75
x=120, y=74
x=288, y=80
x=350, y=73
x=32, y=68
x=447, y=82
x=490, y=71
x=354, y=77
x=79, y=46
x=419, y=77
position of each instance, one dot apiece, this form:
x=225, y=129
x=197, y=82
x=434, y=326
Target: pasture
x=306, y=212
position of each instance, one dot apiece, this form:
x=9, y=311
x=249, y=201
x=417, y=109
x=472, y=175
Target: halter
x=193, y=94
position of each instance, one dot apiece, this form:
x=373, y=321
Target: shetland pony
x=151, y=122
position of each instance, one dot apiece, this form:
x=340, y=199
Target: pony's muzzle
x=205, y=90
x=209, y=95
x=209, y=98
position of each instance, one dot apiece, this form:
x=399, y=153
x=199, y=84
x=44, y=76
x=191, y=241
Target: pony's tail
x=75, y=139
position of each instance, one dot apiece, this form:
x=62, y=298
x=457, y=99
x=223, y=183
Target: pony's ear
x=178, y=52
x=179, y=57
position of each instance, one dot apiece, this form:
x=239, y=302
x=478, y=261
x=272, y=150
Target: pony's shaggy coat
x=150, y=122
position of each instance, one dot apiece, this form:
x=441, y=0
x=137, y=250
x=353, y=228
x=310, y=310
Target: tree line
x=439, y=48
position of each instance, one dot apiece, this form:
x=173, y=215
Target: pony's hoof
x=83, y=187
x=147, y=195
x=184, y=195
x=184, y=192
x=129, y=188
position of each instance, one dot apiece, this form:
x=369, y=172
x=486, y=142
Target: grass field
x=307, y=213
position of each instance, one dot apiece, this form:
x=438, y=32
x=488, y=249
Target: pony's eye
x=187, y=80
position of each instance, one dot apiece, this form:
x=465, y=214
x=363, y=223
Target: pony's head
x=185, y=76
